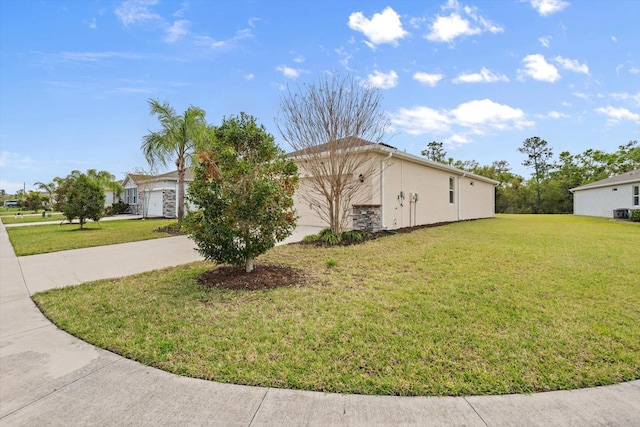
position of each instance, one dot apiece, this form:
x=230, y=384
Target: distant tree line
x=547, y=190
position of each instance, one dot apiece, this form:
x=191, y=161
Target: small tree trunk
x=181, y=173
x=248, y=265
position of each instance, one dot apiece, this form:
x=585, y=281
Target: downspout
x=384, y=227
x=460, y=198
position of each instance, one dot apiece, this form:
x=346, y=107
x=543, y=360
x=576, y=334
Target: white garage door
x=155, y=204
x=307, y=215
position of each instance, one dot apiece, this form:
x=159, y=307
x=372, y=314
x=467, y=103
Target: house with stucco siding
x=612, y=197
x=403, y=190
x=153, y=195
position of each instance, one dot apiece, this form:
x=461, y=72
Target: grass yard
x=516, y=304
x=25, y=218
x=40, y=239
x=12, y=211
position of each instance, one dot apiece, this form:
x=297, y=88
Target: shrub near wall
x=635, y=215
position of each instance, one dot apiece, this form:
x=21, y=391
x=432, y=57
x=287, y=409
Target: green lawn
x=39, y=239
x=12, y=211
x=515, y=304
x=26, y=218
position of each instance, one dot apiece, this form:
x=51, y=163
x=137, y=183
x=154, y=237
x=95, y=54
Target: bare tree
x=332, y=126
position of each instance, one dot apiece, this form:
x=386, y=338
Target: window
x=451, y=191
x=635, y=191
x=131, y=196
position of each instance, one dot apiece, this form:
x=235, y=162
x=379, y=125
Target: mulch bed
x=263, y=276
x=377, y=235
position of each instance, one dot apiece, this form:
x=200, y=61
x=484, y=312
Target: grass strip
x=23, y=219
x=40, y=239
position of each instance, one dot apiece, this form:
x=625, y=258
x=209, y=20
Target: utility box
x=621, y=213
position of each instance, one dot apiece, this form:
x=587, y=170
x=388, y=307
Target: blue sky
x=480, y=76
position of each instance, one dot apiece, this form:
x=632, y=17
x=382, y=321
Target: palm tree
x=107, y=181
x=49, y=188
x=178, y=139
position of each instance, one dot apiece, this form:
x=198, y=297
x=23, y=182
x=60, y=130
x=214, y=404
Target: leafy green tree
x=49, y=188
x=435, y=152
x=33, y=200
x=62, y=189
x=244, y=186
x=538, y=157
x=629, y=156
x=179, y=138
x=85, y=200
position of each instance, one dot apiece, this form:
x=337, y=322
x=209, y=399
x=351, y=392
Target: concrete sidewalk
x=48, y=377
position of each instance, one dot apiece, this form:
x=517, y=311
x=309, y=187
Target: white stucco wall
x=603, y=200
x=433, y=204
x=400, y=175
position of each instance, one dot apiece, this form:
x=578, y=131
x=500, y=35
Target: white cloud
x=382, y=80
x=463, y=21
x=92, y=24
x=14, y=160
x=345, y=57
x=428, y=79
x=299, y=59
x=421, y=120
x=136, y=11
x=476, y=117
x=545, y=41
x=249, y=76
x=624, y=96
x=614, y=39
x=211, y=43
x=536, y=67
x=288, y=72
x=618, y=114
x=634, y=70
x=177, y=31
x=484, y=76
x=457, y=139
x=96, y=56
x=553, y=115
x=384, y=27
x=581, y=95
x=572, y=65
x=481, y=113
x=548, y=7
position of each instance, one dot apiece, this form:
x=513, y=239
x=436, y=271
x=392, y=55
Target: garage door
x=307, y=215
x=155, y=204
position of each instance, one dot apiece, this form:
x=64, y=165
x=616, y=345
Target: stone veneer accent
x=135, y=209
x=367, y=217
x=169, y=204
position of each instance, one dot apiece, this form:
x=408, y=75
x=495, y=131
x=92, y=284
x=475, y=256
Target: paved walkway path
x=49, y=378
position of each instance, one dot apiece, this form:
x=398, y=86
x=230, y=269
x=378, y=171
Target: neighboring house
x=619, y=193
x=405, y=190
x=110, y=196
x=153, y=196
